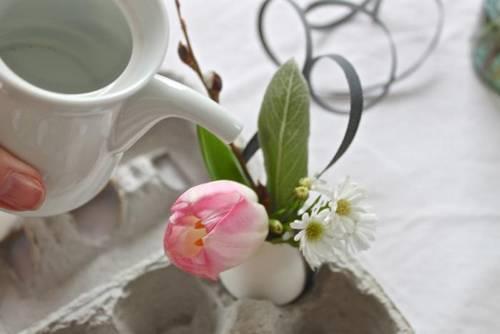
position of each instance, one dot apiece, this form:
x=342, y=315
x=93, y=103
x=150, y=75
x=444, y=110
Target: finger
x=21, y=187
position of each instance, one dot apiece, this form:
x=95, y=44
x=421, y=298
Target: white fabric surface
x=429, y=154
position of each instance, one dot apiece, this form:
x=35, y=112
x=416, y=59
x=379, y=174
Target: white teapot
x=78, y=87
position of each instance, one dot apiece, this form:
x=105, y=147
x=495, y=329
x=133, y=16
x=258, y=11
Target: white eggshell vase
x=276, y=273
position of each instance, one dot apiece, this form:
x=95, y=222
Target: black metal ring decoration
x=384, y=87
x=374, y=93
x=370, y=8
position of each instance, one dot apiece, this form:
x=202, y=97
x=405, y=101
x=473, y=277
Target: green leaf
x=284, y=133
x=220, y=161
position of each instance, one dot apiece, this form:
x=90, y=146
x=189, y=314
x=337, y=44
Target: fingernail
x=20, y=192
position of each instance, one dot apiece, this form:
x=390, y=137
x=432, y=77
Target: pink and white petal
x=245, y=216
x=238, y=236
x=217, y=187
x=212, y=210
x=200, y=265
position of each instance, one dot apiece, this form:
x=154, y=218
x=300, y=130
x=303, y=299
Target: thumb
x=21, y=187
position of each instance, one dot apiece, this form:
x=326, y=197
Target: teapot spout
x=163, y=98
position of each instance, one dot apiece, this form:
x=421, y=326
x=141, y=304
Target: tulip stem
x=187, y=55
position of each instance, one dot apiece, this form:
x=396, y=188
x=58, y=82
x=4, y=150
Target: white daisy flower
x=317, y=237
x=351, y=219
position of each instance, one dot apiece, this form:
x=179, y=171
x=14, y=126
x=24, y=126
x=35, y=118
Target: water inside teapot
x=69, y=47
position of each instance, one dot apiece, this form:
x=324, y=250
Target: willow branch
x=214, y=89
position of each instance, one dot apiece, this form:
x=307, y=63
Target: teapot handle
x=163, y=98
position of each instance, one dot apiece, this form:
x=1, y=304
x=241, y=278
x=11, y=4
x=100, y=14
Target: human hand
x=21, y=187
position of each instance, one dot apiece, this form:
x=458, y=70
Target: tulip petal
x=237, y=236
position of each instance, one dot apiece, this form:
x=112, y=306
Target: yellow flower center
x=343, y=207
x=314, y=231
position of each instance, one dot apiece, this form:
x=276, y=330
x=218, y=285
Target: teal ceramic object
x=486, y=45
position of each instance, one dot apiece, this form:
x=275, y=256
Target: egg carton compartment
x=155, y=298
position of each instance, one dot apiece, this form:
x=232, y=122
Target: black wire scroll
x=373, y=93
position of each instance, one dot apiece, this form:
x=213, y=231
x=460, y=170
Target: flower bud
x=276, y=226
x=184, y=54
x=306, y=182
x=301, y=192
x=213, y=81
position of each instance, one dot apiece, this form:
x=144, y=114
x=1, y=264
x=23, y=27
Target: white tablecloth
x=429, y=154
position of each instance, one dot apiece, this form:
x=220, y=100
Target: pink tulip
x=215, y=227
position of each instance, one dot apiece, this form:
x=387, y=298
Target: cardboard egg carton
x=155, y=298
x=101, y=270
